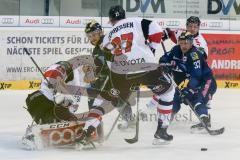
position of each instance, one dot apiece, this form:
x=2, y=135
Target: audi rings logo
x=47, y=21
x=65, y=136
x=215, y=24
x=173, y=23
x=7, y=20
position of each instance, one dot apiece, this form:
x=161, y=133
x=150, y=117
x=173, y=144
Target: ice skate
x=161, y=137
x=28, y=140
x=199, y=128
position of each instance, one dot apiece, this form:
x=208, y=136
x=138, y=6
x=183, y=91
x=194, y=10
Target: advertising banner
x=224, y=55
x=50, y=45
x=46, y=45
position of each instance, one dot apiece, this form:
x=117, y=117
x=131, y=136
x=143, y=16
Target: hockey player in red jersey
x=132, y=42
x=94, y=32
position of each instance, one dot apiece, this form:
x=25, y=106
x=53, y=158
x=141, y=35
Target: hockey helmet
x=92, y=26
x=193, y=19
x=116, y=13
x=186, y=36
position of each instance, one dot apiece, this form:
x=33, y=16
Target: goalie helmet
x=186, y=36
x=116, y=13
x=68, y=68
x=93, y=26
x=193, y=19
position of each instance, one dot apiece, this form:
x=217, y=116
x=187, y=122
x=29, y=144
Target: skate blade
x=160, y=142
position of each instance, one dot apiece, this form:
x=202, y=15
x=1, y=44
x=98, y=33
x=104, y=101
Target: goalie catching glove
x=66, y=101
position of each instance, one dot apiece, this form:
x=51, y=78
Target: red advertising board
x=224, y=55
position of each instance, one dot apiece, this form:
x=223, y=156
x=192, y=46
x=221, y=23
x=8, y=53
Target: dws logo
x=7, y=20
x=143, y=5
x=47, y=21
x=221, y=6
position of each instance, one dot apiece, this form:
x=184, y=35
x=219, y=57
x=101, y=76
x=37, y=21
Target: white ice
x=225, y=112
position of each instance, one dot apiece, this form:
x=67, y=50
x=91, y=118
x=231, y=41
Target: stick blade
x=217, y=132
x=131, y=141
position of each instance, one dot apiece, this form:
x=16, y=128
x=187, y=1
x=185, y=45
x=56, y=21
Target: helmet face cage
x=186, y=36
x=193, y=19
x=116, y=13
x=93, y=26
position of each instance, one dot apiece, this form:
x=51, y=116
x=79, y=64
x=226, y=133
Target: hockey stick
x=135, y=138
x=164, y=48
x=49, y=84
x=114, y=123
x=113, y=126
x=210, y=131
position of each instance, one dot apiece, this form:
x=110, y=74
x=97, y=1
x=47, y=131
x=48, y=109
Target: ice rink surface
x=185, y=145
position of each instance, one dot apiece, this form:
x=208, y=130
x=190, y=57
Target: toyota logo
x=216, y=24
x=47, y=21
x=173, y=23
x=7, y=20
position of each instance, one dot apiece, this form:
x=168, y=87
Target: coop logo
x=173, y=23
x=133, y=6
x=47, y=21
x=5, y=86
x=65, y=136
x=7, y=20
x=33, y=84
x=223, y=6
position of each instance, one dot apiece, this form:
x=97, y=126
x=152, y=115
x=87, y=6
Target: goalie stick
x=135, y=138
x=49, y=84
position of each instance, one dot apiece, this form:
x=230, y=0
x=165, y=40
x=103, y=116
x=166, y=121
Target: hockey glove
x=186, y=93
x=166, y=34
x=66, y=101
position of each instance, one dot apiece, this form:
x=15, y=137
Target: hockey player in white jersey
x=192, y=26
x=132, y=42
x=57, y=100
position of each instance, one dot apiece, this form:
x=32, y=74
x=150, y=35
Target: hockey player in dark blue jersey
x=201, y=85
